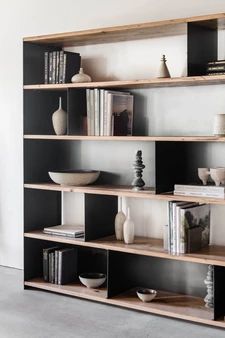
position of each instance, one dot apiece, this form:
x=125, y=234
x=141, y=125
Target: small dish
x=92, y=280
x=146, y=295
x=74, y=177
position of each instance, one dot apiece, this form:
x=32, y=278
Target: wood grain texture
x=153, y=247
x=129, y=84
x=166, y=303
x=122, y=33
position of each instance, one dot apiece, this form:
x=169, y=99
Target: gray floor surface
x=39, y=314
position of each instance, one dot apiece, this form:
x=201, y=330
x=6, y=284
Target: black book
x=46, y=253
x=67, y=265
x=71, y=65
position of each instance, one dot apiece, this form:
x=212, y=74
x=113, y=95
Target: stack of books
x=60, y=66
x=109, y=113
x=72, y=231
x=216, y=67
x=210, y=191
x=59, y=265
x=188, y=227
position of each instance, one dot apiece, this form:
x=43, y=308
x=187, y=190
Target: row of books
x=59, y=265
x=200, y=190
x=188, y=226
x=60, y=66
x=65, y=230
x=109, y=113
x=216, y=67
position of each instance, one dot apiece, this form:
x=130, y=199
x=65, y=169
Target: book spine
x=60, y=268
x=54, y=67
x=88, y=112
x=169, y=225
x=57, y=67
x=45, y=265
x=53, y=267
x=46, y=67
x=183, y=237
x=199, y=194
x=50, y=68
x=216, y=73
x=49, y=267
x=56, y=266
x=105, y=113
x=102, y=94
x=109, y=111
x=177, y=229
x=218, y=62
x=192, y=188
x=64, y=68
x=216, y=68
x=173, y=248
x=92, y=112
x=61, y=61
x=96, y=109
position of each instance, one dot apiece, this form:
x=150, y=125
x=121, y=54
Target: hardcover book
x=67, y=265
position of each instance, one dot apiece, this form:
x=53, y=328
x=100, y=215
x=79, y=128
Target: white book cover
x=199, y=188
x=101, y=111
x=92, y=112
x=200, y=194
x=65, y=228
x=97, y=115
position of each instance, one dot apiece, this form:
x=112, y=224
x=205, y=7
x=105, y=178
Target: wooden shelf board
x=148, y=193
x=166, y=303
x=154, y=82
x=152, y=247
x=127, y=138
x=123, y=33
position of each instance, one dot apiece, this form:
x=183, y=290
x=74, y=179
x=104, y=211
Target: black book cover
x=72, y=65
x=46, y=253
x=67, y=265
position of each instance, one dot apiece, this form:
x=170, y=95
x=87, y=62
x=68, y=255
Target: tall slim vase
x=119, y=221
x=59, y=120
x=128, y=229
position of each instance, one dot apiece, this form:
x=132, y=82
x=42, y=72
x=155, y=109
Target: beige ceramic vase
x=81, y=77
x=128, y=229
x=163, y=70
x=119, y=221
x=59, y=120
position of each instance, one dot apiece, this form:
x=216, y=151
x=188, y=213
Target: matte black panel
x=41, y=208
x=219, y=292
x=39, y=105
x=128, y=270
x=100, y=212
x=77, y=112
x=33, y=62
x=202, y=46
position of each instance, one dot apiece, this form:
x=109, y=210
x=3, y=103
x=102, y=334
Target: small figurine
x=138, y=167
x=163, y=70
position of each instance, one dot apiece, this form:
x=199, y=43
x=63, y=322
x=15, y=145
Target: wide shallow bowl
x=74, y=177
x=92, y=280
x=146, y=295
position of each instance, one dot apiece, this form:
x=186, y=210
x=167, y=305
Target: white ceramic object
x=217, y=175
x=146, y=295
x=163, y=69
x=203, y=174
x=128, y=229
x=119, y=221
x=74, y=177
x=92, y=280
x=219, y=125
x=81, y=77
x=59, y=120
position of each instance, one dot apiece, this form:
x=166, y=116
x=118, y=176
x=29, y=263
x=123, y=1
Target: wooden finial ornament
x=138, y=166
x=163, y=70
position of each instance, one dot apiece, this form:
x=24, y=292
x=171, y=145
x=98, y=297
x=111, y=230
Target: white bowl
x=92, y=280
x=74, y=177
x=146, y=295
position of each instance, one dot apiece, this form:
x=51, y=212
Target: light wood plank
x=121, y=33
x=129, y=84
x=126, y=138
x=166, y=303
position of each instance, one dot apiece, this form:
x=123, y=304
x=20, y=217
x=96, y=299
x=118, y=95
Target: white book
x=92, y=112
x=101, y=111
x=66, y=229
x=199, y=188
x=96, y=108
x=200, y=194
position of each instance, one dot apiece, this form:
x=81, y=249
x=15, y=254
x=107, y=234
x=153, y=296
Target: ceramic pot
x=163, y=69
x=81, y=77
x=128, y=229
x=217, y=175
x=119, y=221
x=59, y=120
x=219, y=125
x=203, y=174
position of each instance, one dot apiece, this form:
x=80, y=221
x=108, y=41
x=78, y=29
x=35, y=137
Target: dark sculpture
x=138, y=167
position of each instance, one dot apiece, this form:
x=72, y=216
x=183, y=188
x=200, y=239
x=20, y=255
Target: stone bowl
x=92, y=280
x=74, y=177
x=146, y=295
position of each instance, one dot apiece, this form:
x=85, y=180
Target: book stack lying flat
x=109, y=113
x=216, y=67
x=59, y=265
x=188, y=227
x=65, y=230
x=200, y=190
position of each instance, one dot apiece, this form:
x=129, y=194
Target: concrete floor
x=38, y=314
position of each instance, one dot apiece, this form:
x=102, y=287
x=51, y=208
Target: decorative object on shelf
x=59, y=120
x=74, y=177
x=92, y=280
x=138, y=166
x=81, y=77
x=218, y=175
x=128, y=229
x=219, y=125
x=119, y=221
x=146, y=295
x=209, y=298
x=203, y=174
x=163, y=69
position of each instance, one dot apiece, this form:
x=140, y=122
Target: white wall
x=29, y=17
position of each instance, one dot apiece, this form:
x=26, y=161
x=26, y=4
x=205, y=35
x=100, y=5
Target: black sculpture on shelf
x=138, y=167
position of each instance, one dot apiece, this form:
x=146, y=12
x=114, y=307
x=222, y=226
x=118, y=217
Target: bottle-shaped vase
x=59, y=120
x=81, y=77
x=128, y=229
x=119, y=221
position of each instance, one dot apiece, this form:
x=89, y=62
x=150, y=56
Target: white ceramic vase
x=163, y=69
x=128, y=229
x=119, y=221
x=81, y=77
x=59, y=120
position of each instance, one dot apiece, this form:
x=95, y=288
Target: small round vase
x=81, y=77
x=119, y=221
x=128, y=229
x=59, y=120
